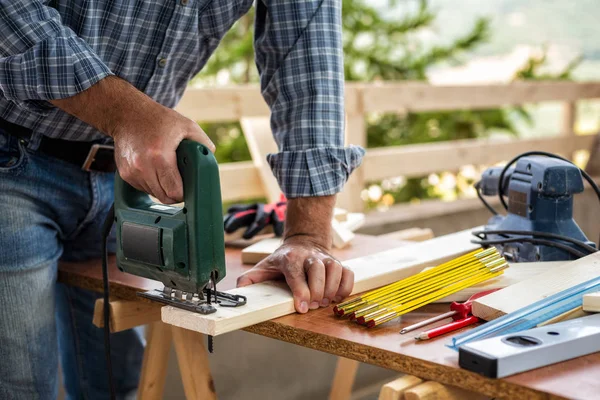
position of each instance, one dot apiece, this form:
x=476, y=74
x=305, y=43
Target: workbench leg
x=154, y=366
x=193, y=364
x=345, y=372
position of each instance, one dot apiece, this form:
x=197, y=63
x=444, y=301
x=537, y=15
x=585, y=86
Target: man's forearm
x=106, y=105
x=310, y=217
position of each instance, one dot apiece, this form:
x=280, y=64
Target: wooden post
x=257, y=132
x=568, y=125
x=345, y=372
x=154, y=365
x=193, y=364
x=356, y=134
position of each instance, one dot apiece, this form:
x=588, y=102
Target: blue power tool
x=539, y=224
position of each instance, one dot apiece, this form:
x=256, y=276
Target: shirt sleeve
x=40, y=58
x=298, y=46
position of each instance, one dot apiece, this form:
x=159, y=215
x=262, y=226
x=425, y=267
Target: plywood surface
x=383, y=346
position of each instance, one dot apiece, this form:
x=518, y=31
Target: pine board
x=517, y=272
x=273, y=299
x=537, y=288
x=591, y=302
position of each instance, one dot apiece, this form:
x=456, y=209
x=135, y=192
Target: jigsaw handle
x=192, y=250
x=127, y=195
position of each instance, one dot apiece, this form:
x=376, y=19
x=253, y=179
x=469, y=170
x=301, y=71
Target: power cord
x=482, y=234
x=483, y=200
x=544, y=242
x=106, y=227
x=576, y=242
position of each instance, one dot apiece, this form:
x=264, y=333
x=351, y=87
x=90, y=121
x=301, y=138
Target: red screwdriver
x=460, y=313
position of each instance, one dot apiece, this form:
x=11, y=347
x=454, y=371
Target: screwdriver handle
x=463, y=310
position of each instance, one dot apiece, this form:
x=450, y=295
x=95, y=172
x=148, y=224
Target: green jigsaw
x=182, y=247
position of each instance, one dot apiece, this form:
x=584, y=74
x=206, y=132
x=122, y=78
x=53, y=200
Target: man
x=83, y=72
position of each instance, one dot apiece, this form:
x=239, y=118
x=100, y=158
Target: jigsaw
x=539, y=224
x=182, y=247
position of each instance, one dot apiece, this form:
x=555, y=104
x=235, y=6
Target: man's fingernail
x=314, y=305
x=303, y=307
x=337, y=299
x=324, y=302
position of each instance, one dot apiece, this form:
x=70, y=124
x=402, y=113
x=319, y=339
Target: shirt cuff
x=55, y=69
x=315, y=172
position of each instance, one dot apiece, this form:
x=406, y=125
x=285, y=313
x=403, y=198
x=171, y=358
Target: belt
x=88, y=155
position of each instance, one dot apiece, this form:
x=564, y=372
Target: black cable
x=536, y=233
x=544, y=242
x=483, y=200
x=108, y=222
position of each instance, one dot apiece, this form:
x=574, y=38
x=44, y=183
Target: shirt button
x=162, y=62
x=184, y=2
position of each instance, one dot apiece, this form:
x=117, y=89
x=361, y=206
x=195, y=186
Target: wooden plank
x=414, y=234
x=569, y=119
x=223, y=104
x=418, y=160
x=126, y=314
x=591, y=302
x=273, y=299
x=258, y=251
x=340, y=214
x=518, y=272
x=593, y=164
x=537, y=288
x=233, y=103
x=343, y=380
x=356, y=134
x=240, y=181
x=156, y=361
x=260, y=143
x=576, y=312
x=354, y=221
x=395, y=389
x=193, y=365
x=410, y=96
x=342, y=236
x=437, y=391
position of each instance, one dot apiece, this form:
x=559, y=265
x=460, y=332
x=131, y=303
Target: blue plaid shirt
x=51, y=49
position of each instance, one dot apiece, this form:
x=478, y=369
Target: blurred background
x=443, y=42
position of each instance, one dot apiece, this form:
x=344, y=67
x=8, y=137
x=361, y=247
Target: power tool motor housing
x=540, y=194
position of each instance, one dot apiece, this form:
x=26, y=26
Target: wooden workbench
x=382, y=346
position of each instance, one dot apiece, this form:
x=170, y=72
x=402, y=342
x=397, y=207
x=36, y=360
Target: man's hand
x=146, y=134
x=315, y=277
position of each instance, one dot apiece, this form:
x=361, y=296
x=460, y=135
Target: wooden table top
x=383, y=346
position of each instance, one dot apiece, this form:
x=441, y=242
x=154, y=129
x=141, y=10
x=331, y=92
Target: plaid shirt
x=52, y=49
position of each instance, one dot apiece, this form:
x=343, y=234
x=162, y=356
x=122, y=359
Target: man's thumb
x=257, y=275
x=198, y=135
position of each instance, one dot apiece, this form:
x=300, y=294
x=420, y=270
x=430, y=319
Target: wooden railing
x=241, y=180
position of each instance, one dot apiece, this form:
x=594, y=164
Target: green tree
x=376, y=49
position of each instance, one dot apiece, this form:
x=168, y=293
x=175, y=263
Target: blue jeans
x=52, y=210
